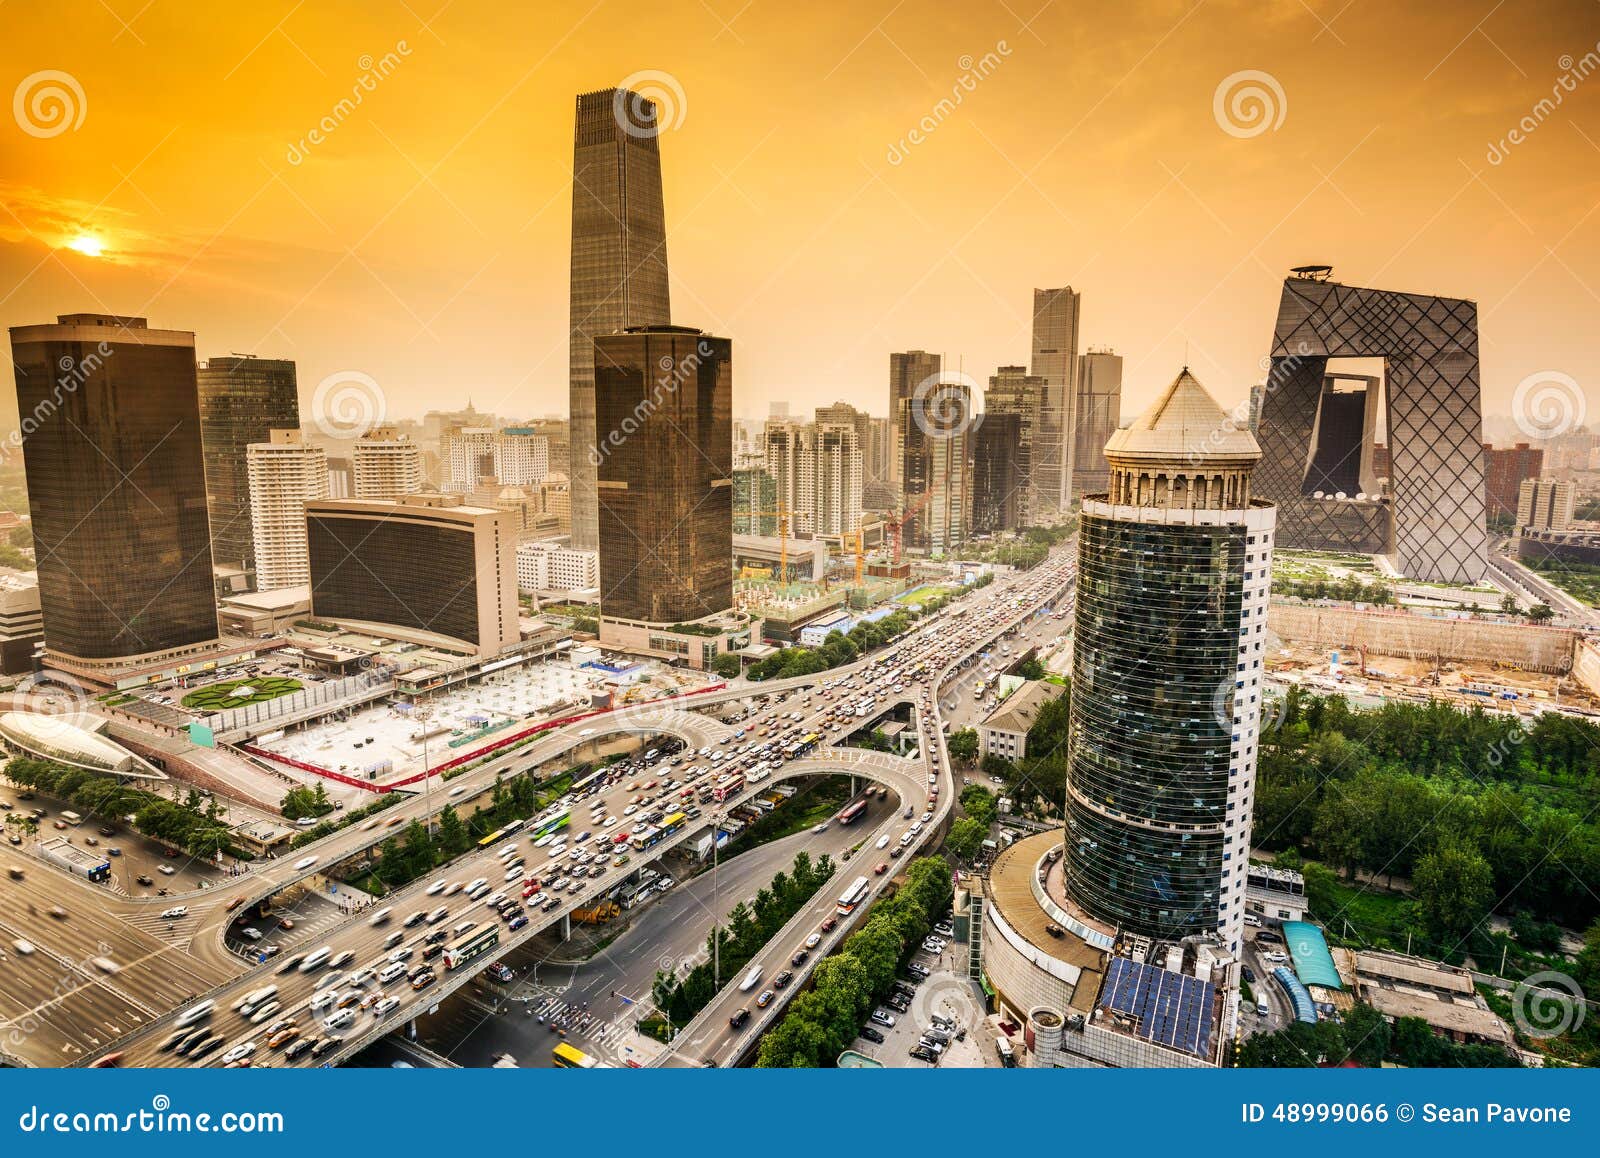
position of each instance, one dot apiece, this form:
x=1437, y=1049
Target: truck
x=1008, y=1057
x=78, y=861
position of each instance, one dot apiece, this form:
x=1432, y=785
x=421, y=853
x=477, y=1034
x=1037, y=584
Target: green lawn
x=237, y=693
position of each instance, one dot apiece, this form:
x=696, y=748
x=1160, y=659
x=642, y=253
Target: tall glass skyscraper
x=1174, y=573
x=242, y=400
x=619, y=261
x=117, y=487
x=1055, y=359
x=665, y=412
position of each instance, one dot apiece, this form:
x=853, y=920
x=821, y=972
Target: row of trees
x=1351, y=589
x=301, y=801
x=967, y=835
x=1367, y=1039
x=192, y=824
x=1029, y=549
x=1477, y=811
x=821, y=1024
x=748, y=929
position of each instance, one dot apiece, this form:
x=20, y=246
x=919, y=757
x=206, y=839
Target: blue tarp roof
x=1304, y=1009
x=1312, y=961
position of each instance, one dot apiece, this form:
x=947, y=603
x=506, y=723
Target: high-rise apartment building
x=665, y=475
x=117, y=485
x=1013, y=391
x=1504, y=471
x=521, y=456
x=937, y=467
x=241, y=399
x=469, y=453
x=1174, y=567
x=907, y=371
x=1055, y=359
x=619, y=262
x=755, y=502
x=816, y=472
x=1095, y=417
x=1545, y=504
x=285, y=473
x=385, y=464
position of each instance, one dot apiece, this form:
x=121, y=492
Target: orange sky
x=424, y=241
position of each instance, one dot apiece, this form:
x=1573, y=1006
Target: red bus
x=853, y=812
x=728, y=787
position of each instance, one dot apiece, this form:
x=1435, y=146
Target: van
x=1263, y=1009
x=391, y=971
x=751, y=979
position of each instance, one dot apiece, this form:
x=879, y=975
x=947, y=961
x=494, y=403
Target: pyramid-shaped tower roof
x=1184, y=425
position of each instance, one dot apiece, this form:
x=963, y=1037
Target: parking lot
x=944, y=1006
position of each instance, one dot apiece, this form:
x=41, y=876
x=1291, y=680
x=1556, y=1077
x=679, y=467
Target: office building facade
x=285, y=474
x=521, y=456
x=619, y=263
x=241, y=399
x=908, y=370
x=1504, y=471
x=1014, y=391
x=422, y=566
x=1429, y=520
x=816, y=473
x=937, y=468
x=1174, y=574
x=384, y=464
x=1055, y=359
x=117, y=483
x=1545, y=504
x=665, y=395
x=1095, y=417
x=998, y=493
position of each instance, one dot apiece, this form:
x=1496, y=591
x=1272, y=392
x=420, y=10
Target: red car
x=828, y=925
x=881, y=869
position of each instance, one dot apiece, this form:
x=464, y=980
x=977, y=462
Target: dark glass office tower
x=996, y=480
x=664, y=411
x=619, y=260
x=907, y=371
x=117, y=487
x=1173, y=581
x=242, y=399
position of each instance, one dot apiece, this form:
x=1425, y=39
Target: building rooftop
x=1185, y=420
x=1018, y=711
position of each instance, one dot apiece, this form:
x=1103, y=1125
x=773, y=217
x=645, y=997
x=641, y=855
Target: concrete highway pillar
x=566, y=926
x=411, y=1029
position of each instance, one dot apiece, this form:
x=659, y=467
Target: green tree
x=963, y=745
x=1454, y=889
x=453, y=838
x=727, y=666
x=1541, y=613
x=979, y=803
x=966, y=836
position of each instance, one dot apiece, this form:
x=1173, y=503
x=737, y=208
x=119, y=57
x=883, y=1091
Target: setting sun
x=87, y=244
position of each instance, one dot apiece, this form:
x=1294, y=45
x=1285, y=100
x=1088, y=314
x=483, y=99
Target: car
x=740, y=1016
x=283, y=1037
x=800, y=958
x=475, y=883
x=339, y=1019
x=436, y=888
x=239, y=1052
x=765, y=999
x=437, y=915
x=884, y=1019
x=323, y=1045
x=1276, y=958
x=883, y=841
x=919, y=971
x=304, y=863
x=1249, y=974
x=814, y=940
x=881, y=869
x=299, y=1046
x=177, y=912
x=896, y=851
x=423, y=980
x=871, y=1034
x=783, y=978
x=432, y=951
x=166, y=870
x=385, y=1006
x=829, y=925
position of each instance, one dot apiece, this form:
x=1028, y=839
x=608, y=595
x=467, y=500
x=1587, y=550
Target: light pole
x=425, y=714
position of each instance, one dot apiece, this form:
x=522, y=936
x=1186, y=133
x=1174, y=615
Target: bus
x=672, y=823
x=476, y=943
x=583, y=784
x=810, y=742
x=647, y=837
x=499, y=834
x=727, y=787
x=570, y=1057
x=853, y=812
x=852, y=897
x=545, y=825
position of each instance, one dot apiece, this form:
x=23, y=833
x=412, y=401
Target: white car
x=304, y=863
x=883, y=842
x=328, y=980
x=458, y=790
x=385, y=1007
x=339, y=1019
x=324, y=999
x=475, y=882
x=239, y=1052
x=174, y=913
x=436, y=888
x=380, y=917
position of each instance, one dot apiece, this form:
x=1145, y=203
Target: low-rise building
x=21, y=622
x=1005, y=732
x=546, y=566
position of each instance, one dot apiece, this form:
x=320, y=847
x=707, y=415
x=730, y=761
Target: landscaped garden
x=227, y=694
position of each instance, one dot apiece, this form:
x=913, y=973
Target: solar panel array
x=1171, y=1009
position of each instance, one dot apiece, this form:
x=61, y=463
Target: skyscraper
x=619, y=261
x=1316, y=430
x=285, y=473
x=1055, y=359
x=816, y=469
x=1013, y=391
x=385, y=464
x=1096, y=416
x=117, y=485
x=937, y=467
x=469, y=455
x=998, y=494
x=1174, y=573
x=241, y=399
x=907, y=371
x=664, y=409
x=1504, y=470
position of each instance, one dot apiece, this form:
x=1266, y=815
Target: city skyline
x=429, y=248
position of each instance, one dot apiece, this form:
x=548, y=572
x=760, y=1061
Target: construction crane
x=897, y=523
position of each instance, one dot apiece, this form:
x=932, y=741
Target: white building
x=544, y=566
x=817, y=468
x=385, y=465
x=521, y=457
x=469, y=453
x=285, y=473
